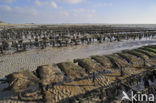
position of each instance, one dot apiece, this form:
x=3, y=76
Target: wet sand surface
x=33, y=58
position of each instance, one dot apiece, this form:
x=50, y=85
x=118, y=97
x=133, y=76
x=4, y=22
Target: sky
x=78, y=11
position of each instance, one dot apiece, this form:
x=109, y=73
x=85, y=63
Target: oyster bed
x=127, y=66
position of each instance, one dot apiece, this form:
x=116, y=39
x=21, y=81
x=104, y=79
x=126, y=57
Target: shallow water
x=33, y=58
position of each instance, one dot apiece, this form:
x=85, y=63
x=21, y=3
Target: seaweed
x=99, y=59
x=72, y=70
x=20, y=81
x=149, y=49
x=138, y=55
x=144, y=52
x=113, y=61
x=89, y=65
x=125, y=57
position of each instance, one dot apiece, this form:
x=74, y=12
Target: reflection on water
x=69, y=53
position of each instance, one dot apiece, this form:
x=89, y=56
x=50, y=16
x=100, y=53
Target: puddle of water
x=33, y=58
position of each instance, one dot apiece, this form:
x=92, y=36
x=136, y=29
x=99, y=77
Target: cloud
x=54, y=5
x=18, y=14
x=102, y=5
x=38, y=3
x=64, y=13
x=83, y=15
x=32, y=15
x=83, y=10
x=47, y=4
x=50, y=11
x=7, y=1
x=25, y=11
x=72, y=1
x=5, y=8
